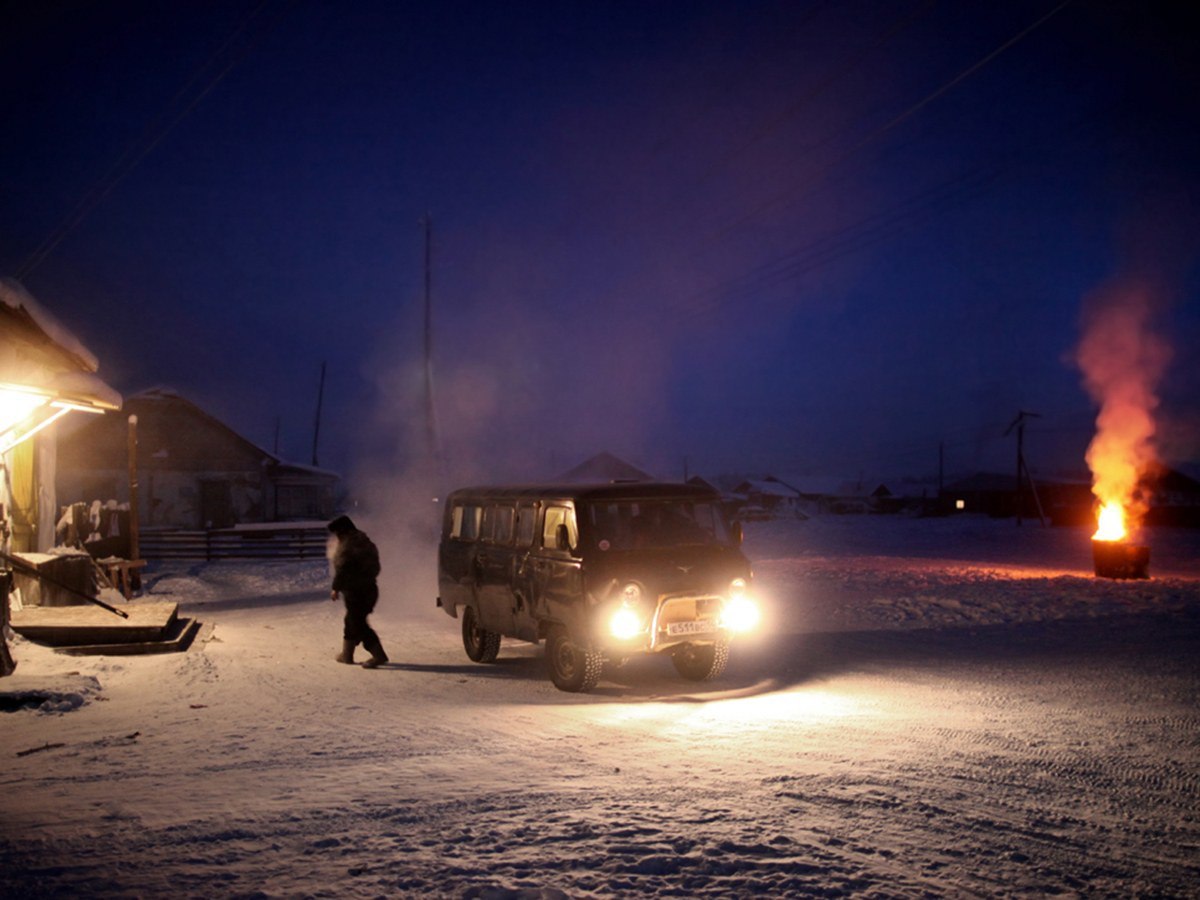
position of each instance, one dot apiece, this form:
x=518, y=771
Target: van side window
x=497, y=524
x=526, y=525
x=464, y=522
x=555, y=516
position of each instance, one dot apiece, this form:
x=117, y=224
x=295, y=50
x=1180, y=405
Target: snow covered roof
x=834, y=486
x=168, y=397
x=21, y=302
x=37, y=351
x=765, y=487
x=605, y=467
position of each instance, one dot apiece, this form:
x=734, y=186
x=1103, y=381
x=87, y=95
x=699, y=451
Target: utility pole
x=317, y=423
x=134, y=530
x=431, y=436
x=1022, y=469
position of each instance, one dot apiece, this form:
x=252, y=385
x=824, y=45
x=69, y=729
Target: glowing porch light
x=17, y=405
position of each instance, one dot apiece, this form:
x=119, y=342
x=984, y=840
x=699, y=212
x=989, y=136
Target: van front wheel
x=481, y=645
x=702, y=662
x=572, y=667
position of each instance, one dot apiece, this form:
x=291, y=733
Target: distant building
x=837, y=496
x=1174, y=497
x=1060, y=501
x=773, y=498
x=604, y=467
x=193, y=470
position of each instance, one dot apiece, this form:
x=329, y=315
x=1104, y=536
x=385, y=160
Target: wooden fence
x=282, y=542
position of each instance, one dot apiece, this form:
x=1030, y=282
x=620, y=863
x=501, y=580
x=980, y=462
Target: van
x=599, y=572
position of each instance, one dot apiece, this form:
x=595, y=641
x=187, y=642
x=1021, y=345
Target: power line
x=891, y=31
x=891, y=124
x=699, y=114
x=151, y=136
x=868, y=232
x=834, y=245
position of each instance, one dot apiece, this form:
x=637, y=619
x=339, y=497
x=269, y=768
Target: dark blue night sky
x=803, y=237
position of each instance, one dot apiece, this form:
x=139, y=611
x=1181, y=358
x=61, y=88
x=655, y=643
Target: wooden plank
x=176, y=639
x=66, y=625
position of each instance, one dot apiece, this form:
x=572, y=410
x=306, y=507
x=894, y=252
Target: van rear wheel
x=481, y=645
x=701, y=662
x=572, y=667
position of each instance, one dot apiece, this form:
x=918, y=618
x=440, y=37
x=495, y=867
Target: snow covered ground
x=943, y=707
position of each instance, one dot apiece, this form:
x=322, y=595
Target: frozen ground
x=944, y=708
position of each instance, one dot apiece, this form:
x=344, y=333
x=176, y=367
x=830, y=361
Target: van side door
x=495, y=567
x=456, y=553
x=557, y=572
x=525, y=532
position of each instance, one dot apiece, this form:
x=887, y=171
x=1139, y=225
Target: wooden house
x=193, y=471
x=45, y=373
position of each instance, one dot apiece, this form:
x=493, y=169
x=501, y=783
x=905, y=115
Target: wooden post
x=7, y=663
x=134, y=549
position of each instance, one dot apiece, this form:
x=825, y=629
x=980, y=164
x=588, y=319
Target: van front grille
x=674, y=610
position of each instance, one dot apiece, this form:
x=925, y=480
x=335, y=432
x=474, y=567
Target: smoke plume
x=1123, y=361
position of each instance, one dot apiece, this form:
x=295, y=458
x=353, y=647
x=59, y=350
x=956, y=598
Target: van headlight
x=631, y=594
x=741, y=613
x=625, y=624
x=626, y=620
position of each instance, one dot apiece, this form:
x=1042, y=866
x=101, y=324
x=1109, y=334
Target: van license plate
x=674, y=629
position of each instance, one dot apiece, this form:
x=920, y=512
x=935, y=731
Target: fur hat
x=342, y=525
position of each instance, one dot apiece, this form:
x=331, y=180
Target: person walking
x=355, y=568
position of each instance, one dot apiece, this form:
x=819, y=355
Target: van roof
x=616, y=490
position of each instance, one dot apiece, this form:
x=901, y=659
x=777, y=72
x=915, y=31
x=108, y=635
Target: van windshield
x=648, y=524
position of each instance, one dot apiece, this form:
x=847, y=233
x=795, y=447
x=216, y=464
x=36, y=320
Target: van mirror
x=735, y=532
x=562, y=537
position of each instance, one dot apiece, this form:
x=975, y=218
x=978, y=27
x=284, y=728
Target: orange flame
x=1110, y=523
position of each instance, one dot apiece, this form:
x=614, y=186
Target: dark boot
x=378, y=657
x=347, y=654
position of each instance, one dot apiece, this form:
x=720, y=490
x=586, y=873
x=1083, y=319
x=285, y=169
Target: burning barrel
x=1118, y=559
x=1114, y=556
